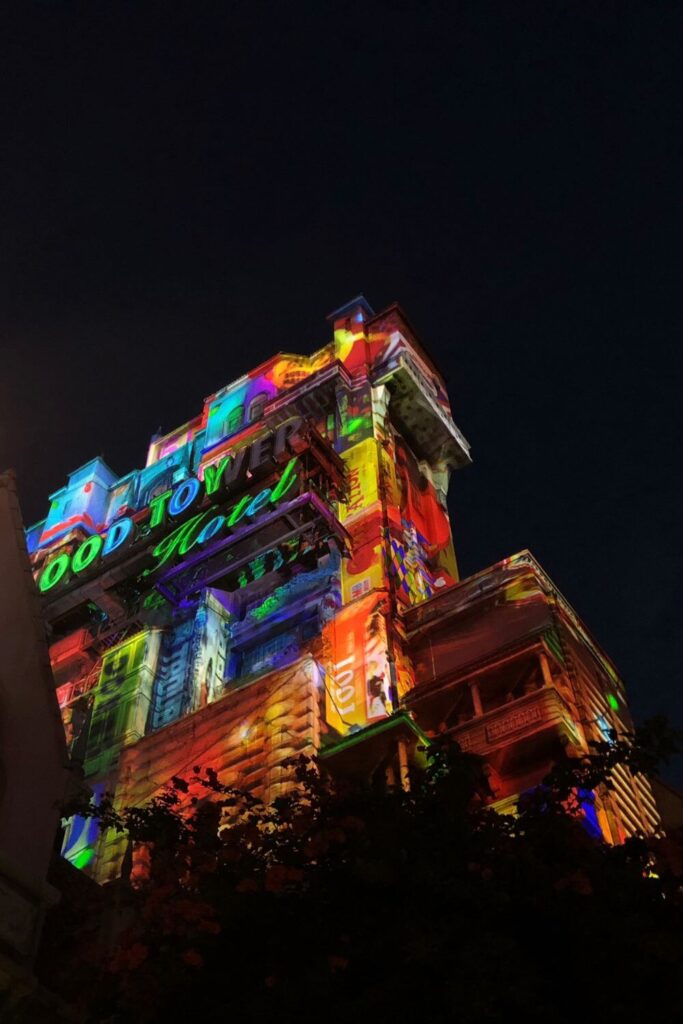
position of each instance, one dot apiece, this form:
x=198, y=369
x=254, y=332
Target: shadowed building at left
x=33, y=764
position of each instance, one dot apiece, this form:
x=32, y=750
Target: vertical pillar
x=403, y=765
x=545, y=669
x=476, y=699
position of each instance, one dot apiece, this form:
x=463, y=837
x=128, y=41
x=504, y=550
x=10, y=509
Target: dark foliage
x=333, y=905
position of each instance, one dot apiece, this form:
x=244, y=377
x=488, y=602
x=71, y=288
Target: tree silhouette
x=333, y=902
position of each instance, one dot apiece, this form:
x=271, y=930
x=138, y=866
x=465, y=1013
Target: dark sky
x=187, y=188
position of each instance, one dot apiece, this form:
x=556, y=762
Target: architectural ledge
x=360, y=751
x=432, y=431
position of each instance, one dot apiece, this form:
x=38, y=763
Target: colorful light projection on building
x=278, y=529
x=81, y=834
x=241, y=599
x=358, y=688
x=123, y=698
x=94, y=496
x=175, y=504
x=82, y=504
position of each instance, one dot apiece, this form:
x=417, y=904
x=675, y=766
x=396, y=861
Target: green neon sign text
x=181, y=540
x=87, y=553
x=54, y=572
x=199, y=529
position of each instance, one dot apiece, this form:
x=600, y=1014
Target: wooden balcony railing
x=539, y=711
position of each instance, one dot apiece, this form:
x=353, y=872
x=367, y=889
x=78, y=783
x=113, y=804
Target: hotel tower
x=280, y=578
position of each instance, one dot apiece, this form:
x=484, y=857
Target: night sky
x=188, y=188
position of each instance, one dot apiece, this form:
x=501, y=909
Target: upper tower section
x=309, y=495
x=386, y=348
x=379, y=350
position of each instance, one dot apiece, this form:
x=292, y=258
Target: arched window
x=256, y=407
x=159, y=486
x=234, y=420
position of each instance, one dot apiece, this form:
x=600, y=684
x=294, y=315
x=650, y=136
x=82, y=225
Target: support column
x=545, y=669
x=476, y=699
x=403, y=766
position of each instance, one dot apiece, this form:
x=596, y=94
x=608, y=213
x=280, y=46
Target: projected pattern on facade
x=252, y=592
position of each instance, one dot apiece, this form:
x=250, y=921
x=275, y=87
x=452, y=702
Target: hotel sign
x=189, y=515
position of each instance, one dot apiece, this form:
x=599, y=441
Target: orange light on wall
x=355, y=645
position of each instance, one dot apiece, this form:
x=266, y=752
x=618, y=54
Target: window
x=159, y=488
x=606, y=730
x=234, y=419
x=256, y=407
x=277, y=650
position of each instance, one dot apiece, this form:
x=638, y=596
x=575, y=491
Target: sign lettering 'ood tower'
x=280, y=579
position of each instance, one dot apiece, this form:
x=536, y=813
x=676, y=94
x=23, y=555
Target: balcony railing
x=540, y=711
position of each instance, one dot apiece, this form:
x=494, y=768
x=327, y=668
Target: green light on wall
x=355, y=424
x=84, y=858
x=612, y=701
x=269, y=606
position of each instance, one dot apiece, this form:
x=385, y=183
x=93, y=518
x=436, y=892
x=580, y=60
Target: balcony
x=479, y=621
x=542, y=711
x=430, y=430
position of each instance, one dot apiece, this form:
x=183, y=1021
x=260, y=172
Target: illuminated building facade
x=280, y=579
